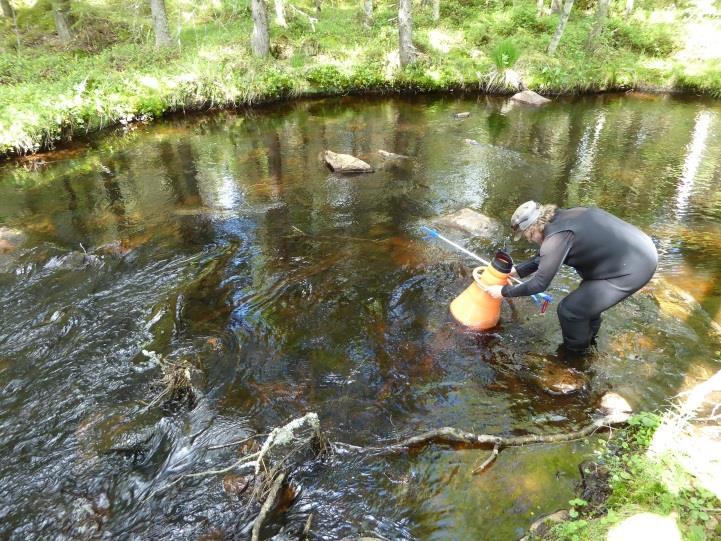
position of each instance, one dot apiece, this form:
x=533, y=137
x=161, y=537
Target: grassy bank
x=112, y=73
x=626, y=481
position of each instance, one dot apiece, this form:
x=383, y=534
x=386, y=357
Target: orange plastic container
x=474, y=307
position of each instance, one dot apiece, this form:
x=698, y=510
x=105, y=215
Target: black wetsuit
x=614, y=259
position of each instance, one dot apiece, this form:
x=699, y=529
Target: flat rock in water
x=392, y=155
x=461, y=116
x=471, y=142
x=529, y=97
x=345, y=163
x=471, y=222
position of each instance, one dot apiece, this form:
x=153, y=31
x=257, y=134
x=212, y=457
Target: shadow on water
x=224, y=246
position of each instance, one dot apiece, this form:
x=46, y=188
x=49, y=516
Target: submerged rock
x=471, y=142
x=10, y=239
x=559, y=380
x=461, y=116
x=471, y=222
x=543, y=525
x=529, y=97
x=392, y=155
x=345, y=163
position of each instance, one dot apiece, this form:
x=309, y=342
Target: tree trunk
x=160, y=23
x=629, y=7
x=63, y=21
x=259, y=39
x=556, y=6
x=568, y=4
x=539, y=7
x=601, y=12
x=368, y=12
x=405, y=30
x=7, y=9
x=317, y=6
x=280, y=14
x=436, y=10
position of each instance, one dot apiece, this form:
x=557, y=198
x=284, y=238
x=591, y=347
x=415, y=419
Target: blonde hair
x=547, y=213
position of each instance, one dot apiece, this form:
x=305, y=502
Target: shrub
x=504, y=54
x=653, y=39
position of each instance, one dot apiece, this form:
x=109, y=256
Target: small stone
x=345, y=163
x=234, y=485
x=471, y=142
x=529, y=97
x=616, y=406
x=461, y=116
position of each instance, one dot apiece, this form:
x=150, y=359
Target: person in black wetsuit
x=613, y=258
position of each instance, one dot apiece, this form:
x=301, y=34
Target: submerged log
x=345, y=163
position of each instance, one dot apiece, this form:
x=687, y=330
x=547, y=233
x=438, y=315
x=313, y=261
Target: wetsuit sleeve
x=528, y=267
x=553, y=252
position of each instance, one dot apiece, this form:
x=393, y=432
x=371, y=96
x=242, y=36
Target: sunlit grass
x=115, y=73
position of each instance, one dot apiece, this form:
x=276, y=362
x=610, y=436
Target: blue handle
x=431, y=232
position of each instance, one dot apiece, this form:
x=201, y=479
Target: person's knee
x=566, y=311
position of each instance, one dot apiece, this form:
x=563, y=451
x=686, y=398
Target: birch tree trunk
x=160, y=23
x=436, y=10
x=601, y=12
x=259, y=39
x=539, y=8
x=556, y=6
x=7, y=9
x=61, y=14
x=280, y=14
x=629, y=7
x=568, y=4
x=368, y=12
x=405, y=31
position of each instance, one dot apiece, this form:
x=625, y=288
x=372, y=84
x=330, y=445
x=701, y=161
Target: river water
x=223, y=244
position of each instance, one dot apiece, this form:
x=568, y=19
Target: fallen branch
x=311, y=20
x=268, y=505
x=488, y=461
x=452, y=436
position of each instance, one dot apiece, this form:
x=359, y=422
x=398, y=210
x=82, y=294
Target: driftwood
x=267, y=506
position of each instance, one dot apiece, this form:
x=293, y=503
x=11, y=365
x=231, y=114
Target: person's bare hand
x=514, y=272
x=494, y=291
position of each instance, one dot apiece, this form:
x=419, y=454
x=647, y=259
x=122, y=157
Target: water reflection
x=224, y=242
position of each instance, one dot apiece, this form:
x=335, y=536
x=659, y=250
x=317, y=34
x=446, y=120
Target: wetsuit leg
x=580, y=312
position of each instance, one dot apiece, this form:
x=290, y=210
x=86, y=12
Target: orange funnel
x=474, y=307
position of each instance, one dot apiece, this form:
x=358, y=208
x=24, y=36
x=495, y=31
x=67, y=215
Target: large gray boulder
x=345, y=163
x=529, y=97
x=470, y=222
